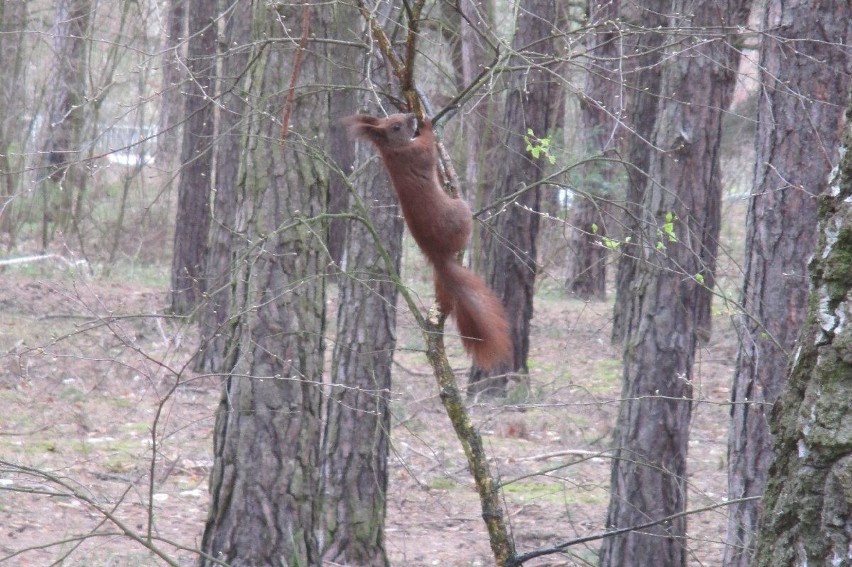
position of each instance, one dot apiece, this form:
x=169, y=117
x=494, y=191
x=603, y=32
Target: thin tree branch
x=524, y=557
x=297, y=68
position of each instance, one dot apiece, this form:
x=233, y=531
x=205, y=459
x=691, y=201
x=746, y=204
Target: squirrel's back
x=441, y=226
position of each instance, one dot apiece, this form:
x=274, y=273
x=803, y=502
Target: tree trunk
x=61, y=137
x=808, y=77
x=511, y=261
x=357, y=430
x=264, y=501
x=679, y=232
x=217, y=320
x=171, y=101
x=357, y=434
x=341, y=147
x=193, y=207
x=808, y=499
x=641, y=78
x=13, y=20
x=601, y=111
x=343, y=154
x=478, y=136
x=587, y=261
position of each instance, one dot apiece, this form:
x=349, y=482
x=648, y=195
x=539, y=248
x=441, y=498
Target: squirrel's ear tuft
x=364, y=126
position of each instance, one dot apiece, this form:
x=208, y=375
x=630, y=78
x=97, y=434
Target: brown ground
x=81, y=391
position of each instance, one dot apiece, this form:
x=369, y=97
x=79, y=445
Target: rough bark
x=171, y=102
x=356, y=442
x=677, y=239
x=357, y=433
x=343, y=103
x=267, y=438
x=61, y=146
x=476, y=20
x=808, y=77
x=511, y=264
x=13, y=19
x=600, y=112
x=807, y=517
x=342, y=152
x=192, y=223
x=587, y=255
x=473, y=59
x=216, y=318
x=641, y=78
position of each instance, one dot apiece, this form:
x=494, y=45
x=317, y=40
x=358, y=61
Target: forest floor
x=88, y=367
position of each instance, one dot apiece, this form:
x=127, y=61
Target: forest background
x=214, y=326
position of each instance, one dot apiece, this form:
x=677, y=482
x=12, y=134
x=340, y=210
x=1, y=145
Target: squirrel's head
x=394, y=131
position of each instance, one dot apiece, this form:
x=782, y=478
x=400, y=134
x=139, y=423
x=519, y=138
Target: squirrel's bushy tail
x=479, y=315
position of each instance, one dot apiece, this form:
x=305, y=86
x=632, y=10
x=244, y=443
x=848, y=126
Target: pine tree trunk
x=217, y=321
x=60, y=175
x=677, y=241
x=600, y=110
x=13, y=19
x=511, y=263
x=357, y=433
x=171, y=106
x=587, y=255
x=478, y=136
x=642, y=78
x=806, y=519
x=264, y=507
x=357, y=429
x=794, y=157
x=193, y=207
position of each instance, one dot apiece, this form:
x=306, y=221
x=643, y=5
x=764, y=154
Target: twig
x=123, y=527
x=524, y=557
x=470, y=89
x=407, y=80
x=297, y=68
x=565, y=453
x=383, y=40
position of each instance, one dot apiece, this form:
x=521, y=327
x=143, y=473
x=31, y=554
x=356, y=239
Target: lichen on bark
x=808, y=502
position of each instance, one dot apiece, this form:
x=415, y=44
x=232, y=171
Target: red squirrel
x=441, y=226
